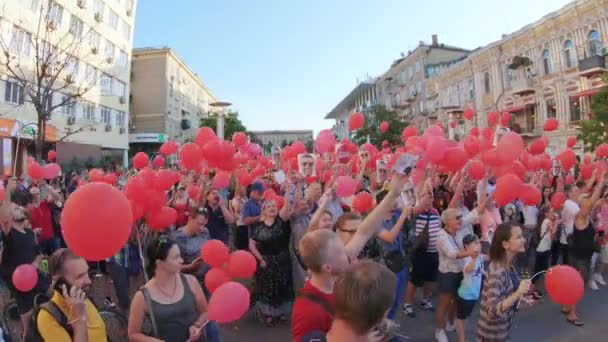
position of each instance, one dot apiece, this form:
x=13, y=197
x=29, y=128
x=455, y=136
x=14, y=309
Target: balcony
x=592, y=66
x=451, y=105
x=522, y=86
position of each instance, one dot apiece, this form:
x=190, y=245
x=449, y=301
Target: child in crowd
x=470, y=288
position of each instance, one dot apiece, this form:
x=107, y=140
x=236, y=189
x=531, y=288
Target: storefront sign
x=147, y=138
x=7, y=156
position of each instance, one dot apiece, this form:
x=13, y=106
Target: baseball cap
x=257, y=186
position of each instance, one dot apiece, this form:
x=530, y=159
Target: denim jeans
x=212, y=332
x=401, y=284
x=120, y=277
x=49, y=246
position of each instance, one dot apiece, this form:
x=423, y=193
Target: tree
x=232, y=124
x=374, y=116
x=595, y=130
x=50, y=70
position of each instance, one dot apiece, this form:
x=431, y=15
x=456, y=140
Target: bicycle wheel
x=12, y=321
x=116, y=325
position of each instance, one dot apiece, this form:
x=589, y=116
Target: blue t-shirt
x=252, y=208
x=388, y=224
x=470, y=288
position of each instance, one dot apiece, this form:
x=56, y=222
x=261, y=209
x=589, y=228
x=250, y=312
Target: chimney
x=435, y=40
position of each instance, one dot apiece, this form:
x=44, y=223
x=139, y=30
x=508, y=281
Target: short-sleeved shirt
x=470, y=288
x=252, y=208
x=190, y=246
x=388, y=224
x=19, y=248
x=50, y=330
x=434, y=221
x=218, y=229
x=308, y=316
x=569, y=212
x=42, y=217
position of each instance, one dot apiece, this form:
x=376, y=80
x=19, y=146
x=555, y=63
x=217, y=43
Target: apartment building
x=550, y=68
x=91, y=41
x=168, y=99
x=360, y=99
x=268, y=139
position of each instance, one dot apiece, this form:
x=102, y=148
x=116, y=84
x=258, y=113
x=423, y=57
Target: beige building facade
x=103, y=32
x=360, y=99
x=277, y=138
x=167, y=98
x=550, y=68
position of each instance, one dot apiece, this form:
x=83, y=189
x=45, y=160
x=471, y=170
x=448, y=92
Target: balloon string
x=537, y=274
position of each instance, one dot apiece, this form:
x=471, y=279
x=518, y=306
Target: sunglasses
x=347, y=231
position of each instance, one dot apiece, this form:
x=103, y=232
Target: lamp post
x=220, y=107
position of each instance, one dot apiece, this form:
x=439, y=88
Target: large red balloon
x=190, y=156
x=345, y=186
x=363, y=202
x=469, y=114
x=492, y=118
x=477, y=170
x=25, y=277
x=384, y=127
x=228, y=303
x=204, y=136
x=471, y=145
x=241, y=264
x=239, y=139
x=158, y=162
x=551, y=124
x=537, y=147
x=602, y=151
x=564, y=285
x=529, y=194
x=51, y=155
x=96, y=221
x=96, y=175
x=586, y=171
x=557, y=200
x=51, y=171
x=214, y=253
x=140, y=160
x=409, y=131
x=161, y=218
x=435, y=149
x=491, y=158
x=356, y=121
x=34, y=170
x=510, y=147
x=507, y=189
x=567, y=159
x=455, y=158
x=221, y=180
x=169, y=148
x=505, y=119
x=571, y=142
x=215, y=277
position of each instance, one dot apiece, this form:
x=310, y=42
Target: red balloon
x=137, y=211
x=34, y=170
x=537, y=147
x=96, y=221
x=345, y=186
x=110, y=178
x=491, y=158
x=158, y=162
x=455, y=158
x=586, y=171
x=356, y=121
x=162, y=218
x=567, y=159
x=25, y=277
x=492, y=118
x=409, y=131
x=507, y=189
x=571, y=142
x=557, y=200
x=51, y=155
x=384, y=127
x=2, y=193
x=166, y=179
x=477, y=170
x=529, y=194
x=551, y=124
x=510, y=147
x=453, y=124
x=244, y=178
x=241, y=264
x=471, y=145
x=474, y=131
x=214, y=253
x=469, y=114
x=50, y=171
x=239, y=139
x=140, y=160
x=204, y=136
x=96, y=175
x=435, y=130
x=602, y=151
x=564, y=285
x=505, y=119
x=435, y=149
x=221, y=180
x=169, y=148
x=363, y=202
x=190, y=156
x=215, y=277
x=228, y=303
x=192, y=191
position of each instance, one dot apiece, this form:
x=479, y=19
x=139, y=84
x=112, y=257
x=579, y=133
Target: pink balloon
x=34, y=170
x=435, y=148
x=384, y=127
x=228, y=303
x=51, y=171
x=221, y=180
x=239, y=139
x=25, y=277
x=96, y=175
x=510, y=147
x=345, y=186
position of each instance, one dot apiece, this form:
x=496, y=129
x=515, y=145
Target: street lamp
x=220, y=107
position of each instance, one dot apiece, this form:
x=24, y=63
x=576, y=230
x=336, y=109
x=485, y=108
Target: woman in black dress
x=269, y=243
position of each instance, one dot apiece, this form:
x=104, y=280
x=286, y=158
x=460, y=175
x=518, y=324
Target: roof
x=344, y=104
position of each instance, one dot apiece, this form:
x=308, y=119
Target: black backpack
x=33, y=335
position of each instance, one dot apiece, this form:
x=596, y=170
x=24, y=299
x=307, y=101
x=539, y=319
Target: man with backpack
x=69, y=315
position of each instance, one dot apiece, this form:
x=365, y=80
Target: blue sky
x=285, y=63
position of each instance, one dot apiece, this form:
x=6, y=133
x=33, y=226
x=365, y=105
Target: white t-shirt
x=530, y=215
x=545, y=241
x=568, y=214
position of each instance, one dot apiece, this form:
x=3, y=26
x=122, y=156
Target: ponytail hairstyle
x=158, y=249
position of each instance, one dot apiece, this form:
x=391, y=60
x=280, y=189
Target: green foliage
x=232, y=124
x=595, y=131
x=374, y=116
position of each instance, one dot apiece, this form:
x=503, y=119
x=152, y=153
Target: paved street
x=543, y=322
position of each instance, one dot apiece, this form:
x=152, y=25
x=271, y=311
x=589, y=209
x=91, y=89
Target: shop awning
x=585, y=93
x=12, y=128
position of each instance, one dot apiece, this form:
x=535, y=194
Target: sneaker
x=440, y=336
x=593, y=285
x=449, y=327
x=599, y=279
x=427, y=305
x=409, y=310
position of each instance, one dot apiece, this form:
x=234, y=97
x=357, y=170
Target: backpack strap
x=58, y=315
x=148, y=300
x=318, y=300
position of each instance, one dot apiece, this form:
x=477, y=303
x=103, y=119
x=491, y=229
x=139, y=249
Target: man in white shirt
x=568, y=214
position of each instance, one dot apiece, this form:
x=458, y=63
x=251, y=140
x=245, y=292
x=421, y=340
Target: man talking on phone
x=70, y=315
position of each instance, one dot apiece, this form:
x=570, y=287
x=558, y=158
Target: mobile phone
x=59, y=285
x=405, y=164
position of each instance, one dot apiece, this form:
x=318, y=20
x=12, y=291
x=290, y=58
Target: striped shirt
x=494, y=320
x=434, y=221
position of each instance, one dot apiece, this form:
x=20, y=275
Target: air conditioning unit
x=129, y=13
x=108, y=128
x=110, y=60
x=82, y=4
x=121, y=130
x=71, y=120
x=122, y=100
x=98, y=17
x=51, y=25
x=94, y=50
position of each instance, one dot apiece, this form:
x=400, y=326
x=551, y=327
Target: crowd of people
x=330, y=271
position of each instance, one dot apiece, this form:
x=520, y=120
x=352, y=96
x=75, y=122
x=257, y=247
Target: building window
x=569, y=54
x=120, y=88
x=551, y=108
x=486, y=82
x=547, y=66
x=419, y=87
x=106, y=115
x=575, y=110
x=76, y=26
x=471, y=89
x=71, y=67
x=90, y=74
x=55, y=14
x=171, y=89
x=106, y=84
x=595, y=43
x=126, y=30
x=35, y=5
x=113, y=20
x=418, y=66
x=69, y=107
x=98, y=7
x=410, y=72
x=13, y=93
x=20, y=42
x=88, y=110
x=120, y=119
x=94, y=40
x=123, y=59
x=109, y=50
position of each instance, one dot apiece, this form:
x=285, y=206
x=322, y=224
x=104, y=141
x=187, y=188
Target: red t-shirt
x=41, y=217
x=308, y=316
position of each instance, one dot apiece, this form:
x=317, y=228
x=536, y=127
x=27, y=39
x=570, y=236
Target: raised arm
x=389, y=236
x=325, y=199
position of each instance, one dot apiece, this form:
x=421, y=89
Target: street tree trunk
x=39, y=139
